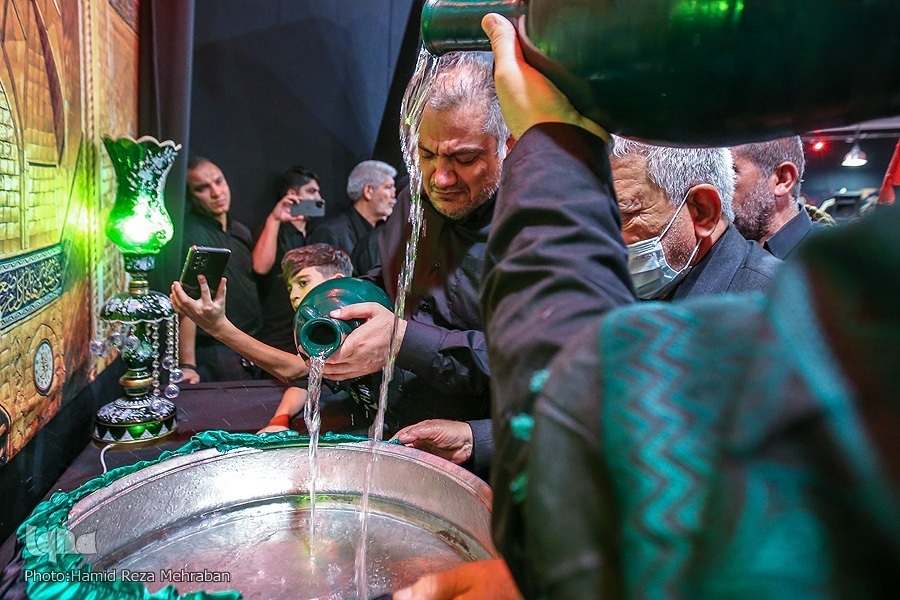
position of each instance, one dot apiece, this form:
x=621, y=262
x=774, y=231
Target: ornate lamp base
x=131, y=421
x=139, y=320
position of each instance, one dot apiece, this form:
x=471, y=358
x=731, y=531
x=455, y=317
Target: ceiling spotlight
x=855, y=158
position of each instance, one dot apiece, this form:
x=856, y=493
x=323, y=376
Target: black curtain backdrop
x=164, y=108
x=387, y=146
x=282, y=82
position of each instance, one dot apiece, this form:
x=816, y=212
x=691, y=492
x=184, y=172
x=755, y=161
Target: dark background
x=282, y=82
x=825, y=176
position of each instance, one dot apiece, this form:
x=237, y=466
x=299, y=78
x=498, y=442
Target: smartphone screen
x=207, y=261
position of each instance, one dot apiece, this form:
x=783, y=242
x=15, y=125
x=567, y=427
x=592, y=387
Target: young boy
x=303, y=269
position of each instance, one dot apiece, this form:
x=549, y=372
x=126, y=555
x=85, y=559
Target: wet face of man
x=459, y=161
x=209, y=188
x=754, y=199
x=304, y=281
x=383, y=198
x=646, y=210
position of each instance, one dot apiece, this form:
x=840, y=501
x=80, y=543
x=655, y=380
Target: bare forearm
x=187, y=337
x=283, y=365
x=266, y=247
x=292, y=402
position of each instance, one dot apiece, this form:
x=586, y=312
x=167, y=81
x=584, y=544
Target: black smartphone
x=308, y=208
x=207, y=261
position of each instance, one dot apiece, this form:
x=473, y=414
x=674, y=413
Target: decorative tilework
x=68, y=76
x=28, y=283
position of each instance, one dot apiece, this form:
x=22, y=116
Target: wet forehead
x=453, y=130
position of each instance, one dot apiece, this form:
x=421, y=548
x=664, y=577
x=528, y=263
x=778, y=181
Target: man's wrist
x=216, y=325
x=280, y=421
x=186, y=365
x=468, y=448
x=401, y=329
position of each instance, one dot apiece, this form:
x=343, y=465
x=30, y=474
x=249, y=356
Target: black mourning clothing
x=443, y=355
x=215, y=361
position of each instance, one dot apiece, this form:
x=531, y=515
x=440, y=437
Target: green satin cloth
x=45, y=530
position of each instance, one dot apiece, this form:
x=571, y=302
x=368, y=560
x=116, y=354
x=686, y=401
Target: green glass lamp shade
x=139, y=223
x=317, y=334
x=706, y=72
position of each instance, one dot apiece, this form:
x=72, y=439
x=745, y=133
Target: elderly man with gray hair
x=676, y=218
x=371, y=188
x=677, y=222
x=442, y=357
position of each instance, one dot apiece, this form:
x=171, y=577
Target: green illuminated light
x=136, y=229
x=707, y=10
x=139, y=223
x=144, y=225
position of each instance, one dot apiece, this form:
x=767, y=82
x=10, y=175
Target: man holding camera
x=207, y=224
x=285, y=229
x=372, y=190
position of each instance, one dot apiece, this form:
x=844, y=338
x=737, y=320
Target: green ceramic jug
x=704, y=72
x=316, y=333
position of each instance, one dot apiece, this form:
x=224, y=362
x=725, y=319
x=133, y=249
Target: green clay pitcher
x=318, y=334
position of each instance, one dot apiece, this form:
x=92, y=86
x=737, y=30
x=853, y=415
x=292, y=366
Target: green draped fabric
x=46, y=527
x=720, y=454
x=726, y=424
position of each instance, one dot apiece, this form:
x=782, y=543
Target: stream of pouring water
x=410, y=119
x=313, y=422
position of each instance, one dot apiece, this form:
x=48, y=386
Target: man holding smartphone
x=207, y=224
x=283, y=231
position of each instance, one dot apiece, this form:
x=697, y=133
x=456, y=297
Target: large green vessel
x=710, y=72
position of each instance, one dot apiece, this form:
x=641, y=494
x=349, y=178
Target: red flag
x=891, y=179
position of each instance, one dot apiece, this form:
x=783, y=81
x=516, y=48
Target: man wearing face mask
x=677, y=222
x=676, y=213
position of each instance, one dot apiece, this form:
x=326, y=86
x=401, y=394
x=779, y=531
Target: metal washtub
x=240, y=520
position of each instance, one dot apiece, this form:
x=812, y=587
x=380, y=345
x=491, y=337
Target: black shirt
x=278, y=315
x=242, y=306
x=731, y=265
x=790, y=235
x=443, y=353
x=342, y=231
x=365, y=256
x=555, y=261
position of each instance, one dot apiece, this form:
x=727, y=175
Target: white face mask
x=650, y=271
